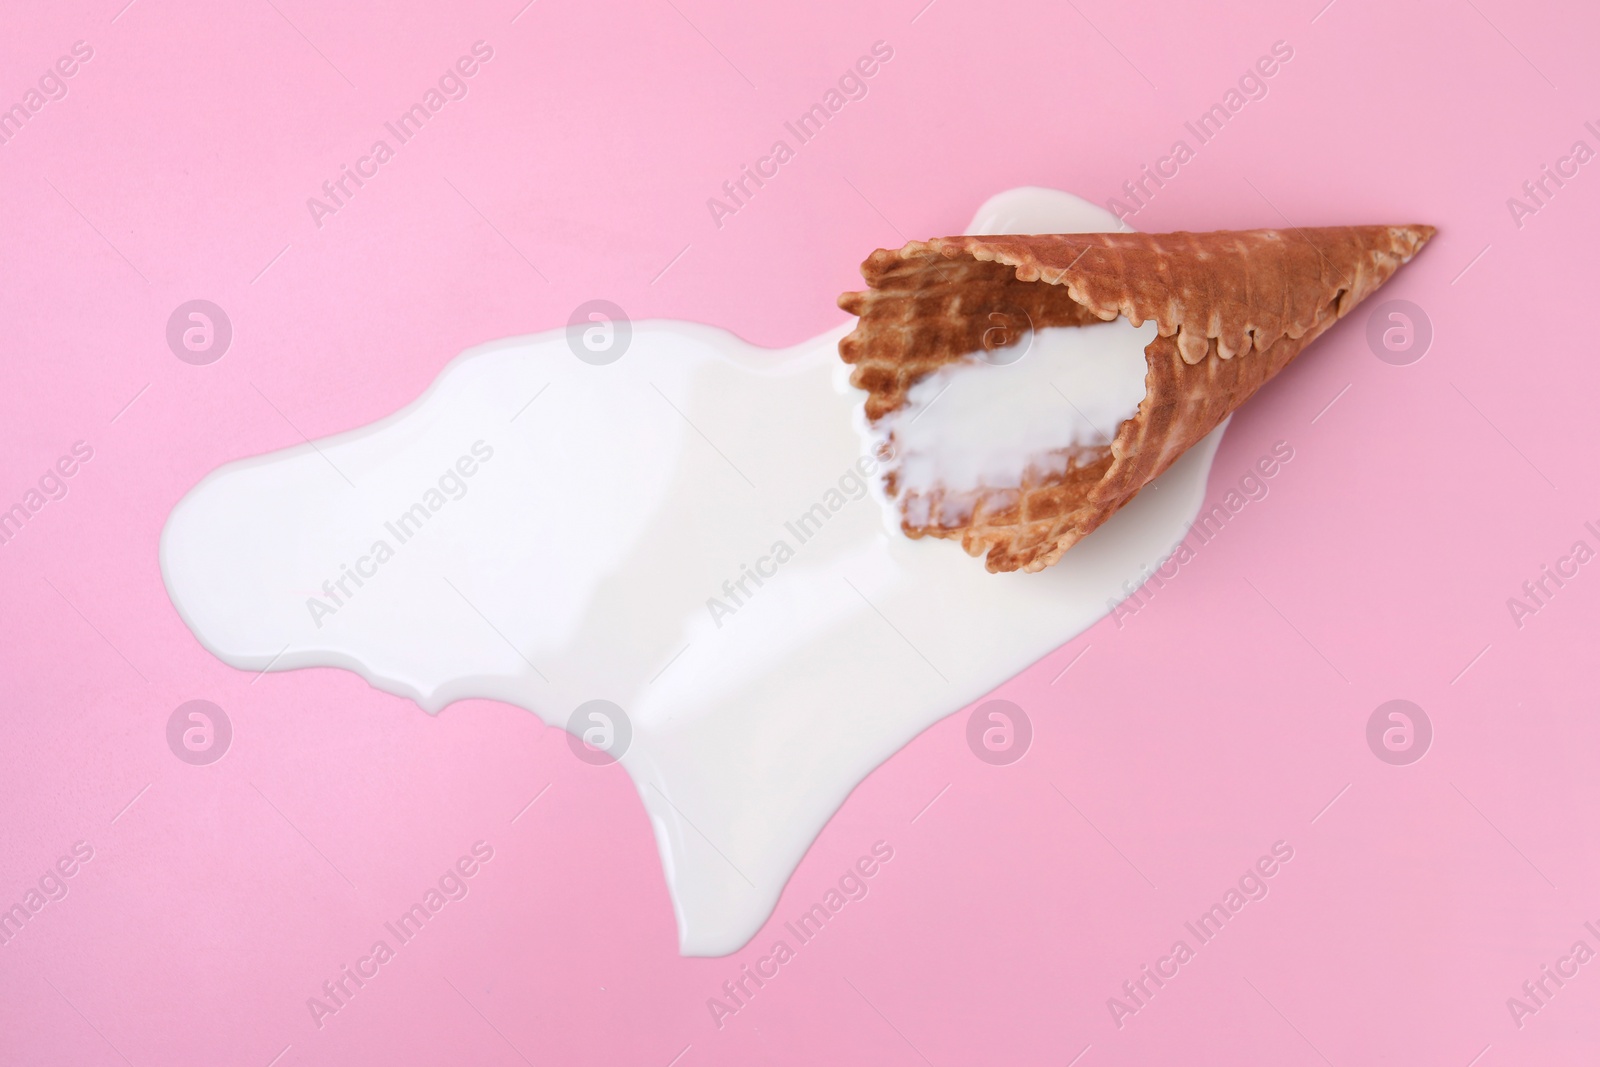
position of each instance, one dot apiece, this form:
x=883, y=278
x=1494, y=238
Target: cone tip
x=1420, y=234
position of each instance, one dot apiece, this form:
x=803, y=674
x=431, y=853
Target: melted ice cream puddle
x=543, y=531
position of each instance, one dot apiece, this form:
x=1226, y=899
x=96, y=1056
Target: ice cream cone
x=1231, y=308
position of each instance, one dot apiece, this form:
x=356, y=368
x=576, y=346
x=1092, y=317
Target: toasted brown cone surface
x=1231, y=308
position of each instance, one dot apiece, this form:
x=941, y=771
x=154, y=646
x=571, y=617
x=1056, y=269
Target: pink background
x=1218, y=720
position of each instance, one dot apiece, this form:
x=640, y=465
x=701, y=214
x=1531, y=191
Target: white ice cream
x=985, y=421
x=686, y=532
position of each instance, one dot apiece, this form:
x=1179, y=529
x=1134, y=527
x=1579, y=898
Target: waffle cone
x=1231, y=308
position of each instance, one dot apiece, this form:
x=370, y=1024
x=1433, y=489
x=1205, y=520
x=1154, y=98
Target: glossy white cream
x=987, y=420
x=598, y=532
